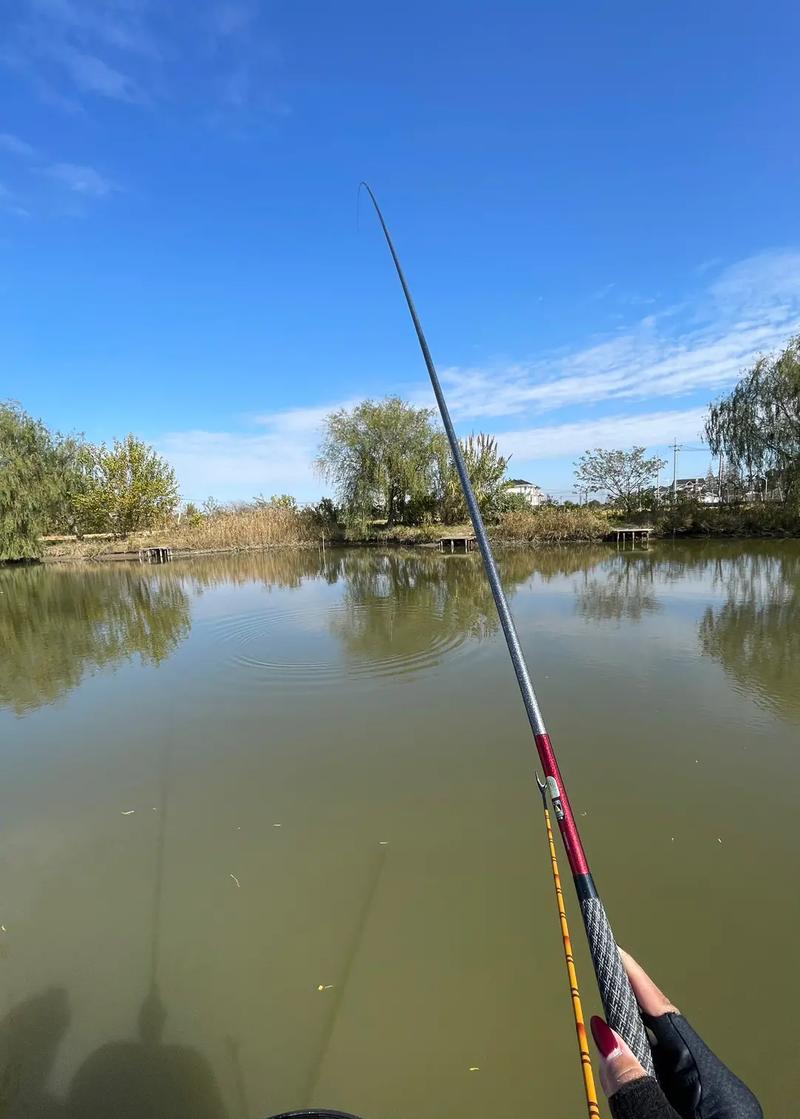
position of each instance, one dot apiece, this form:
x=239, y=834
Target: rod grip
x=619, y=1002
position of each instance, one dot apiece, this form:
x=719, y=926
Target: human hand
x=692, y=1082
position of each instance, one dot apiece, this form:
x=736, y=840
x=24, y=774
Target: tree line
x=754, y=431
x=387, y=461
x=54, y=483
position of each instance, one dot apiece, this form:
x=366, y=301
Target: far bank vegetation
x=390, y=470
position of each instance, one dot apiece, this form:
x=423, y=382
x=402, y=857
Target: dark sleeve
x=641, y=1099
x=698, y=1084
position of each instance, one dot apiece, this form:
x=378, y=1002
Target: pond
x=270, y=836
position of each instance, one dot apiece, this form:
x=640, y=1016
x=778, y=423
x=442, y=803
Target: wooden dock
x=625, y=532
x=155, y=555
x=461, y=542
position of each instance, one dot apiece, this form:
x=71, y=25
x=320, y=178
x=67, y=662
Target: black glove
x=696, y=1082
x=641, y=1099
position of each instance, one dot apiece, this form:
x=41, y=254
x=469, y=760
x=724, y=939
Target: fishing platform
x=155, y=555
x=458, y=542
x=625, y=532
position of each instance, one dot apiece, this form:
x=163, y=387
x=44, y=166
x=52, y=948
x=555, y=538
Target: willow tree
x=380, y=457
x=35, y=472
x=757, y=426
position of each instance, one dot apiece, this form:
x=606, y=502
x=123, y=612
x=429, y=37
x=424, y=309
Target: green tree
x=381, y=458
x=36, y=469
x=129, y=487
x=486, y=468
x=623, y=475
x=757, y=426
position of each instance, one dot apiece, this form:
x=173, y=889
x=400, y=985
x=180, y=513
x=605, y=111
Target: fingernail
x=604, y=1037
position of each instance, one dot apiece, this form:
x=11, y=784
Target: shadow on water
x=58, y=625
x=138, y=1079
x=30, y=1035
x=142, y=1079
x=145, y=1078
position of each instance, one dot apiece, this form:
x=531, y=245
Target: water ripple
x=357, y=641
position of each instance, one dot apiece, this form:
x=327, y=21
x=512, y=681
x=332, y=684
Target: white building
x=532, y=493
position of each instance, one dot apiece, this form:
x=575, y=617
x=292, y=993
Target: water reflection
x=57, y=625
x=396, y=611
x=755, y=635
x=403, y=611
x=624, y=588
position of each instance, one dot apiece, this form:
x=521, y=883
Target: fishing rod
x=617, y=996
x=577, y=1008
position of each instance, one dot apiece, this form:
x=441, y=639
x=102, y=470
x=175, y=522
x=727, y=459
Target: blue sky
x=596, y=205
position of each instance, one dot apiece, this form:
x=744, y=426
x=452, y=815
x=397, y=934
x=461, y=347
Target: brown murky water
x=269, y=834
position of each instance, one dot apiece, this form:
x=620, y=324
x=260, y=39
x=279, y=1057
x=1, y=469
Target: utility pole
x=675, y=448
x=721, y=473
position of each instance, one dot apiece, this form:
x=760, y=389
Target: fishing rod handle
x=619, y=1001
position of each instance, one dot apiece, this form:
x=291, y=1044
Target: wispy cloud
x=232, y=18
x=15, y=146
x=81, y=179
x=92, y=75
x=278, y=457
x=651, y=429
x=141, y=52
x=10, y=204
x=603, y=291
x=646, y=386
x=752, y=307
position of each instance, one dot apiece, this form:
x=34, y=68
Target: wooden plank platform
x=625, y=532
x=155, y=555
x=461, y=542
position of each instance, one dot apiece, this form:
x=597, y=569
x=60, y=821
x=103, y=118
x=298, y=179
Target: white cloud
x=232, y=18
x=752, y=307
x=279, y=458
x=9, y=203
x=15, y=146
x=603, y=291
x=92, y=75
x=652, y=429
x=689, y=351
x=81, y=179
x=145, y=52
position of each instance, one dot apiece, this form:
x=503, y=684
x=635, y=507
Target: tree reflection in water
x=58, y=625
x=624, y=588
x=755, y=635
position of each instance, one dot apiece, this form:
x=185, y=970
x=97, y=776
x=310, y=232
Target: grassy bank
x=694, y=519
x=551, y=524
x=273, y=526
x=269, y=526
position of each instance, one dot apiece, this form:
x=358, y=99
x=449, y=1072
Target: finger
x=617, y=1065
x=650, y=998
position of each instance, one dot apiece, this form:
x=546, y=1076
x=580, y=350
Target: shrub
x=550, y=524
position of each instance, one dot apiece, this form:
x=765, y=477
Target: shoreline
x=130, y=556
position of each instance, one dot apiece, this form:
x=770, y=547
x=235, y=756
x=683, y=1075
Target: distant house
x=532, y=493
x=704, y=490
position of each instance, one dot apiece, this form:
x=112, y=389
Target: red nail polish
x=604, y=1038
